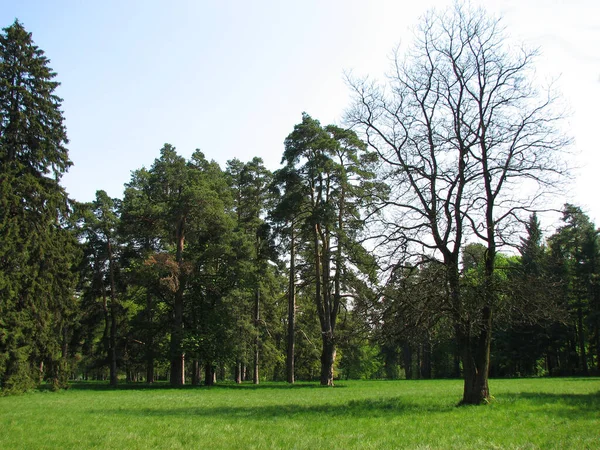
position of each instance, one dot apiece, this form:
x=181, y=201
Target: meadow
x=525, y=413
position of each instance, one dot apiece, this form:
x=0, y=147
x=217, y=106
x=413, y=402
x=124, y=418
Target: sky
x=232, y=78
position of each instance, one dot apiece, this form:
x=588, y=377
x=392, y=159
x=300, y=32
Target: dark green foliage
x=326, y=187
x=99, y=222
x=259, y=285
x=188, y=271
x=178, y=219
x=574, y=265
x=36, y=249
x=415, y=330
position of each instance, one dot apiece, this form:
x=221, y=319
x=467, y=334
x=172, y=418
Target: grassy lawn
x=526, y=413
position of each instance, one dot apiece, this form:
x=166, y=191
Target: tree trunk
x=426, y=359
x=407, y=360
x=195, y=373
x=113, y=318
x=149, y=341
x=476, y=363
x=106, y=331
x=113, y=348
x=581, y=341
x=238, y=372
x=456, y=361
x=41, y=370
x=597, y=350
x=177, y=356
x=255, y=377
x=327, y=360
x=468, y=363
x=209, y=374
x=291, y=329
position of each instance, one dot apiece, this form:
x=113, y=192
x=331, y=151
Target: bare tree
x=468, y=145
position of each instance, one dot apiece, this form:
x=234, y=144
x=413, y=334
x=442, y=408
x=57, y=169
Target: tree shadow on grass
x=104, y=386
x=354, y=408
x=274, y=385
x=569, y=406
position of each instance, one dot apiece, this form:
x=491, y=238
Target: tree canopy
x=403, y=244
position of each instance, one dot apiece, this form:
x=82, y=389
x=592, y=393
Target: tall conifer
x=36, y=251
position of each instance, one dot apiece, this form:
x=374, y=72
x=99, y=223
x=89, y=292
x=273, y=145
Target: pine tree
x=333, y=189
x=574, y=252
x=100, y=220
x=250, y=184
x=36, y=250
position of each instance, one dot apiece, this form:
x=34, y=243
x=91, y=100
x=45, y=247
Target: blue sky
x=233, y=77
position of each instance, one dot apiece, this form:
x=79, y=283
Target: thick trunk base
x=178, y=371
x=476, y=391
x=327, y=361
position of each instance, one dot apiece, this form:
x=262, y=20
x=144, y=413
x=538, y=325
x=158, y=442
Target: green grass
x=526, y=413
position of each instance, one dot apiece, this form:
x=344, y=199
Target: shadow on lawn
x=567, y=406
x=570, y=406
x=354, y=408
x=104, y=386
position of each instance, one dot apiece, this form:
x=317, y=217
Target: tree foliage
x=373, y=251
x=37, y=249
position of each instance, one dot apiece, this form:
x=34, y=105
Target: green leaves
x=37, y=250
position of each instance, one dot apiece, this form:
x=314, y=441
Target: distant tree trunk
x=597, y=350
x=581, y=340
x=238, y=372
x=41, y=370
x=195, y=373
x=149, y=349
x=391, y=362
x=106, y=315
x=113, y=317
x=426, y=359
x=456, y=358
x=63, y=376
x=177, y=356
x=407, y=360
x=255, y=378
x=291, y=330
x=209, y=374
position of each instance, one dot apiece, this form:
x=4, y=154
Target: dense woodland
x=405, y=244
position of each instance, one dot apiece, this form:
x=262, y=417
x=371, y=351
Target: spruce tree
x=36, y=250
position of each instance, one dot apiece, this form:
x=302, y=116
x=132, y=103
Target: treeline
x=547, y=323
x=373, y=252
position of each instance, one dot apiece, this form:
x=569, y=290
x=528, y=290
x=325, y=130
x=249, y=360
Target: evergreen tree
x=287, y=215
x=334, y=187
x=250, y=184
x=36, y=249
x=98, y=232
x=140, y=231
x=177, y=215
x=521, y=338
x=574, y=252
